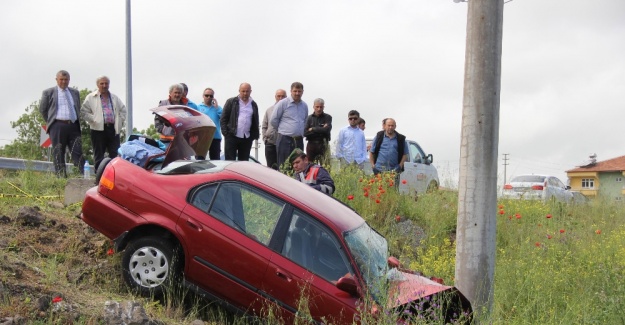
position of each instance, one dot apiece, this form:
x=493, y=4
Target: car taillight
x=507, y=187
x=537, y=187
x=107, y=181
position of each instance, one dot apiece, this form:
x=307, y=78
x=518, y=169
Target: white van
x=419, y=173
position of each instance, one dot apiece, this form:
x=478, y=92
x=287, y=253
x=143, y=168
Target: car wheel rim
x=148, y=267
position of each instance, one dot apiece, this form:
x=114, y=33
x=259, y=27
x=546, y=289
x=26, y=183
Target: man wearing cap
x=312, y=174
x=60, y=108
x=289, y=119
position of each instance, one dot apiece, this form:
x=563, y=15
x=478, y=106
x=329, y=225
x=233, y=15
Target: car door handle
x=283, y=275
x=192, y=224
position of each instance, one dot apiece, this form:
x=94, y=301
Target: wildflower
x=500, y=206
x=390, y=184
x=561, y=231
x=57, y=299
x=397, y=218
x=350, y=197
x=598, y=231
x=110, y=252
x=366, y=194
x=540, y=225
x=377, y=201
x=380, y=188
x=502, y=212
x=509, y=217
x=360, y=180
x=404, y=181
x=518, y=216
x=548, y=236
x=549, y=216
x=382, y=191
x=537, y=244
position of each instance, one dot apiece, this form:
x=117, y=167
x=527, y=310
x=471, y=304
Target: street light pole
x=128, y=72
x=477, y=188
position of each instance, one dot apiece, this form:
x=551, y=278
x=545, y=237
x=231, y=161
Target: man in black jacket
x=239, y=124
x=389, y=149
x=317, y=133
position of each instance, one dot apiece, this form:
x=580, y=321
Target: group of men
x=105, y=113
x=284, y=126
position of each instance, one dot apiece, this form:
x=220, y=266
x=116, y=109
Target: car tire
x=100, y=170
x=433, y=186
x=150, y=265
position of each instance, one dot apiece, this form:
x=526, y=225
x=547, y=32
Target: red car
x=250, y=237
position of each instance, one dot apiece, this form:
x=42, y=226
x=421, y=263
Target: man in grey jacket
x=106, y=115
x=269, y=133
x=60, y=108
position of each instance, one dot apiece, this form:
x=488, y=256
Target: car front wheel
x=150, y=264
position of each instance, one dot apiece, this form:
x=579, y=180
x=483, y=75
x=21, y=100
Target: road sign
x=44, y=139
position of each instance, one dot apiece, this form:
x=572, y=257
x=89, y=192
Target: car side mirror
x=568, y=187
x=429, y=159
x=349, y=285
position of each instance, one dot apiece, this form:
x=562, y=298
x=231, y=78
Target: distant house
x=600, y=178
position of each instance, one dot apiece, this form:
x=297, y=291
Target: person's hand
x=215, y=102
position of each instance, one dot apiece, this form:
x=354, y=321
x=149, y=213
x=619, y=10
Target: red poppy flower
x=537, y=244
x=350, y=197
x=110, y=252
x=549, y=216
x=397, y=218
x=57, y=299
x=366, y=194
x=380, y=187
x=502, y=212
x=390, y=184
x=510, y=217
x=500, y=207
x=360, y=180
x=561, y=231
x=382, y=191
x=518, y=216
x=377, y=201
x=598, y=231
x=548, y=236
x=404, y=181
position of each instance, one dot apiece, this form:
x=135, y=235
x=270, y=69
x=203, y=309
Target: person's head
x=297, y=90
x=318, y=106
x=280, y=95
x=62, y=79
x=185, y=89
x=245, y=90
x=353, y=117
x=389, y=126
x=298, y=160
x=384, y=122
x=361, y=123
x=208, y=96
x=103, y=83
x=175, y=93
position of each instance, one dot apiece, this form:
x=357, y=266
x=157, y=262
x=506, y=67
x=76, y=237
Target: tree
x=28, y=127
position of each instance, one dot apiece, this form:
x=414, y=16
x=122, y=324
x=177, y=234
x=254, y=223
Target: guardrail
x=37, y=165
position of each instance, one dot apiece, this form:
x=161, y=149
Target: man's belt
x=297, y=137
x=64, y=121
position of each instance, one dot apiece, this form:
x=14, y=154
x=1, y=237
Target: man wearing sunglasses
x=210, y=107
x=351, y=147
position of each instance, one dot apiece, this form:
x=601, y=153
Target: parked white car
x=419, y=173
x=537, y=187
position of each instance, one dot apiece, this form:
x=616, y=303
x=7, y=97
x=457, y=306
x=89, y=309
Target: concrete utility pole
x=505, y=169
x=477, y=201
x=128, y=72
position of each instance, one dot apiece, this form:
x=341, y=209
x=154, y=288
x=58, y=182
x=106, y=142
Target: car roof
x=332, y=210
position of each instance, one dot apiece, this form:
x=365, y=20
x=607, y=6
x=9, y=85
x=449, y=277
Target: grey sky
x=563, y=72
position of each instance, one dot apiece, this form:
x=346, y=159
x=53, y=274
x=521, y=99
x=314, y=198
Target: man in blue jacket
x=312, y=174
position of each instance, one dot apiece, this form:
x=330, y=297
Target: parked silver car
x=537, y=187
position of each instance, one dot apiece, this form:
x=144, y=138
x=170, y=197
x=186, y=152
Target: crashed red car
x=250, y=237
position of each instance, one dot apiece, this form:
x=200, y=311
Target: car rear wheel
x=150, y=265
x=100, y=170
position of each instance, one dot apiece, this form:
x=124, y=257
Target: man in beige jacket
x=106, y=115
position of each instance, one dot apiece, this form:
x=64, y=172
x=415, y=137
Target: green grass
x=555, y=264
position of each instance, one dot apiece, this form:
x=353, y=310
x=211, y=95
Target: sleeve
x=265, y=125
x=123, y=114
x=44, y=105
x=86, y=111
x=325, y=184
x=277, y=115
x=308, y=126
x=339, y=145
x=225, y=117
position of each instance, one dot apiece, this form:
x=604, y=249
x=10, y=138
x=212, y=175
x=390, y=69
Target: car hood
x=406, y=288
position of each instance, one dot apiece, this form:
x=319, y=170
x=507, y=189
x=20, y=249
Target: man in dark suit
x=60, y=107
x=239, y=124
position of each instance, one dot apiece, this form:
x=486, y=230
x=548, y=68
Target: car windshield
x=370, y=251
x=529, y=179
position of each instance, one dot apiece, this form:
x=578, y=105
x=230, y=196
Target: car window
x=529, y=179
x=315, y=248
x=246, y=209
x=416, y=154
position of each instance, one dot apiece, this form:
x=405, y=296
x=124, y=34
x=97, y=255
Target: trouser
x=214, y=152
x=66, y=135
x=236, y=148
x=316, y=150
x=285, y=145
x=271, y=155
x=104, y=141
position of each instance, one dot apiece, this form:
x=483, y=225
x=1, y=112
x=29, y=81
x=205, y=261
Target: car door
x=308, y=266
x=227, y=228
x=415, y=174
